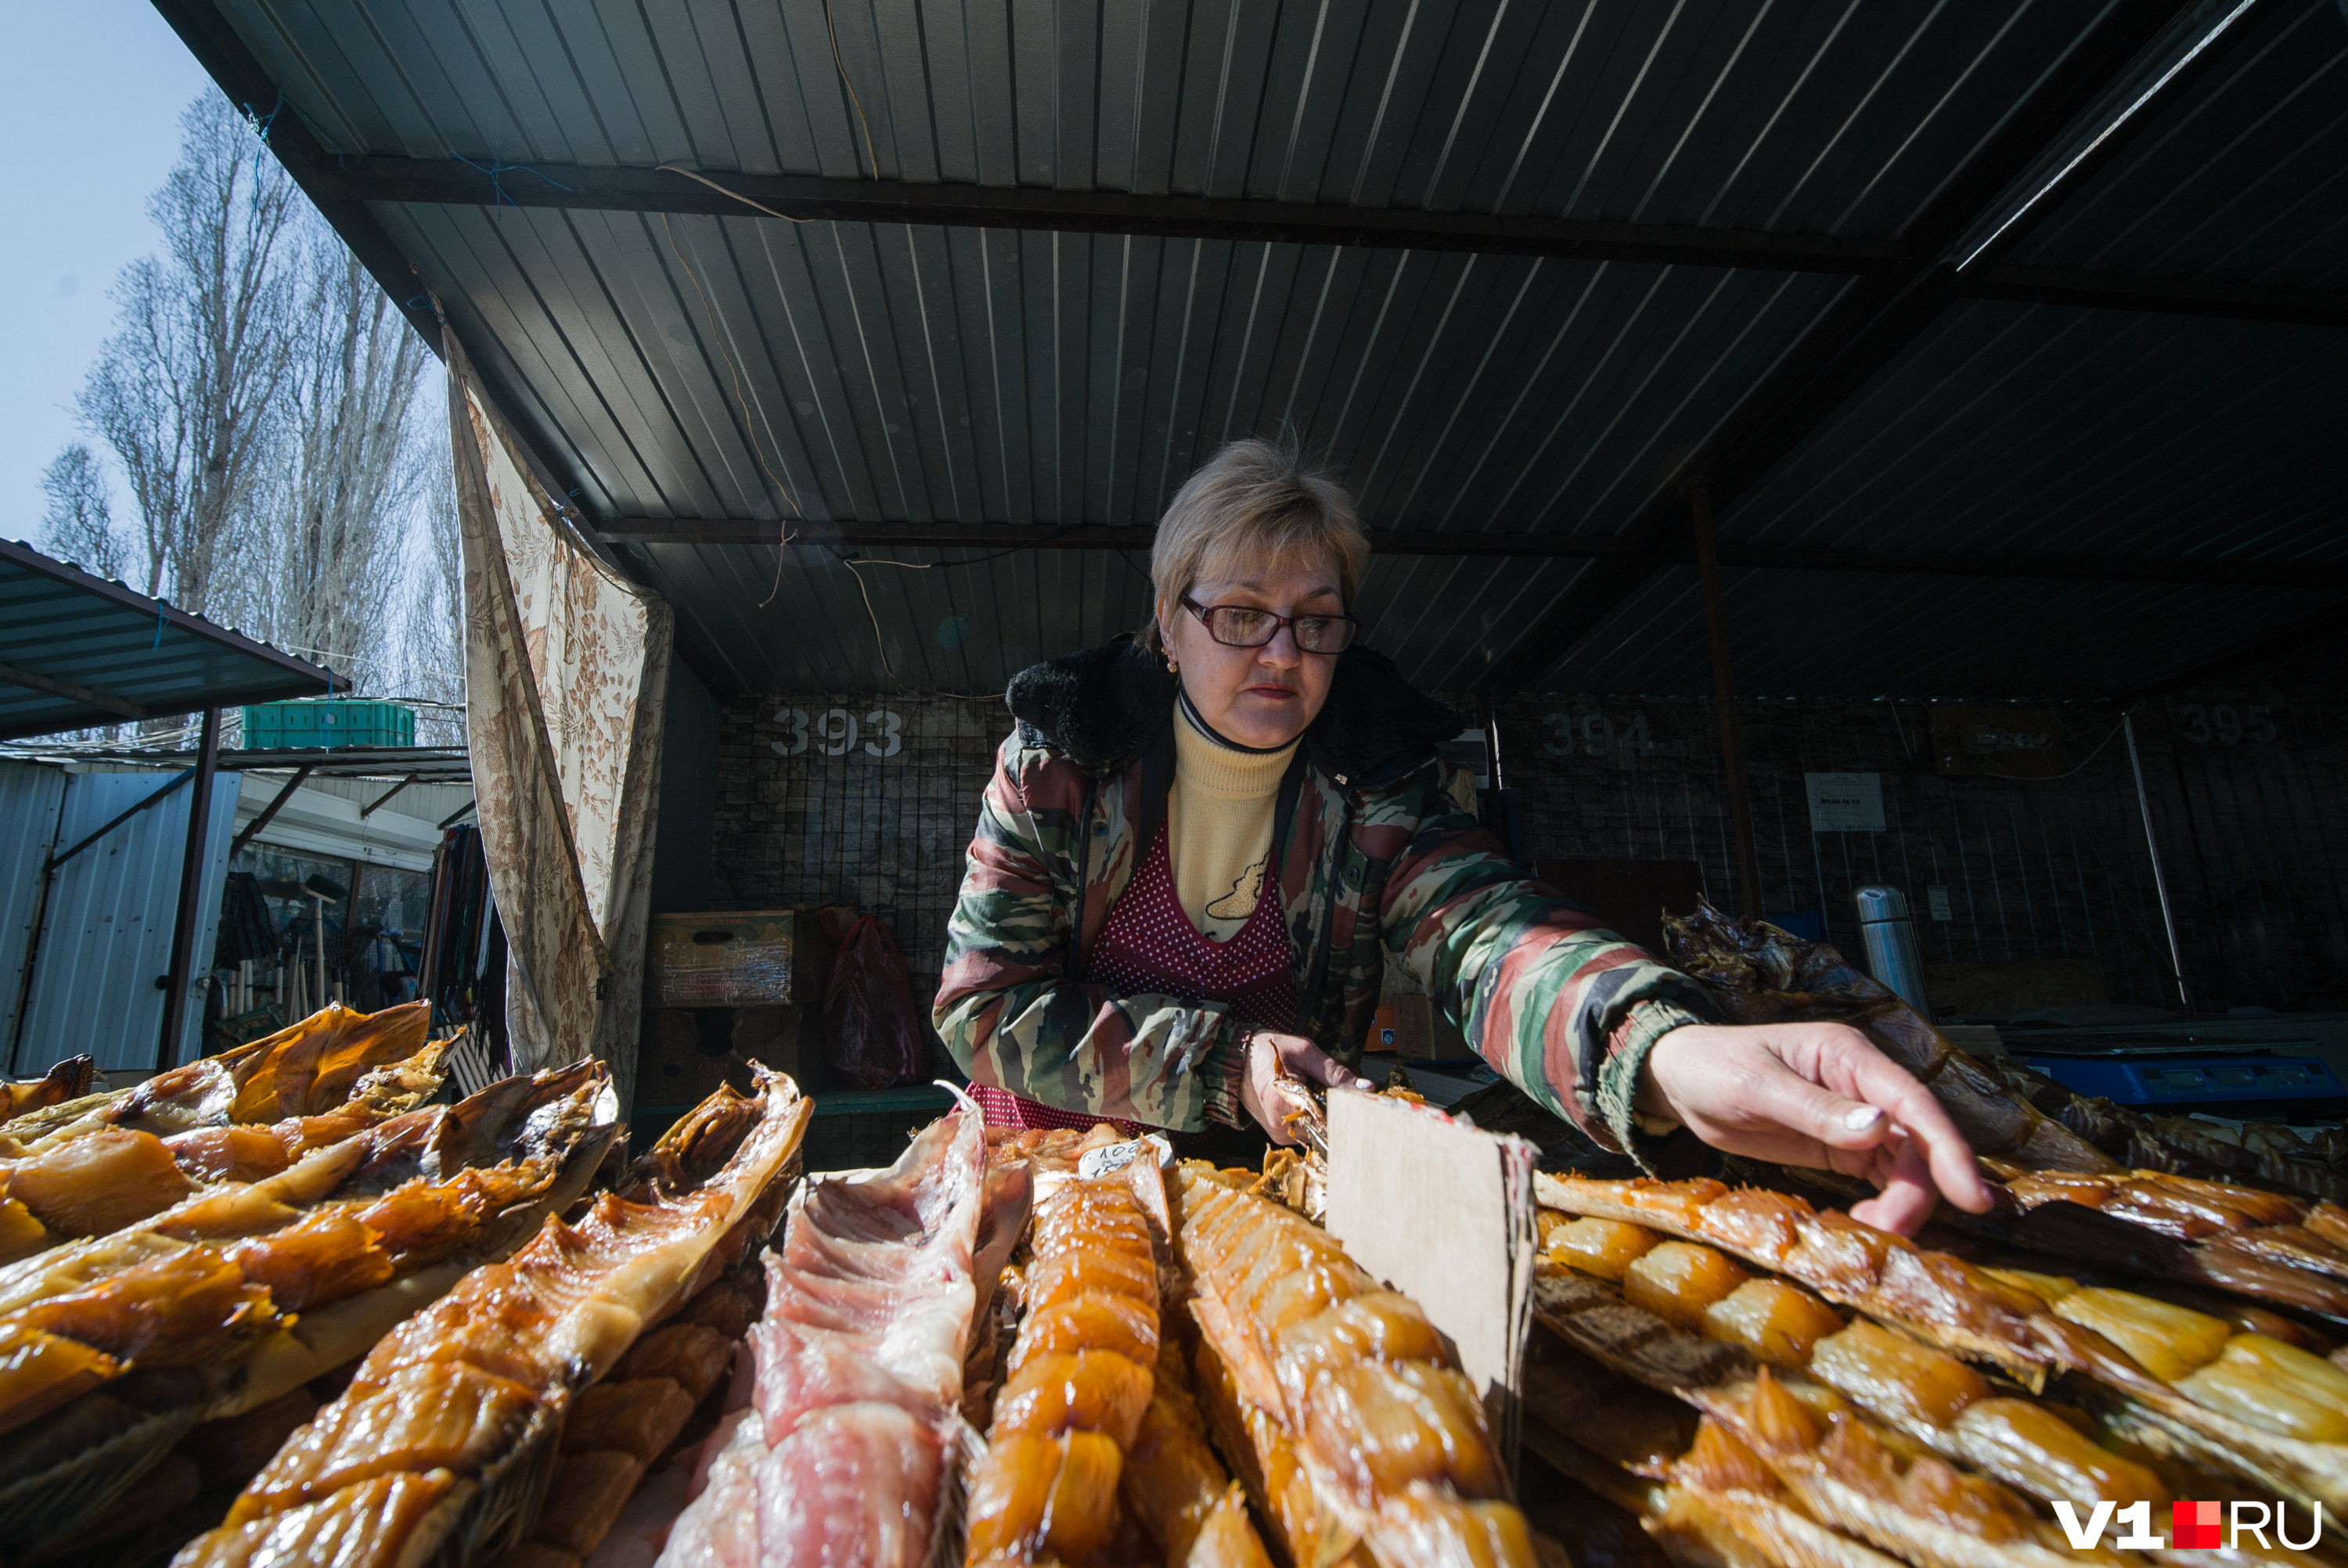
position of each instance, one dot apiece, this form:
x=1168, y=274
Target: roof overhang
x=78, y=651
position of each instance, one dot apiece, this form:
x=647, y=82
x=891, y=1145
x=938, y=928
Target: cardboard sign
x=1443, y=1214
x=1846, y=803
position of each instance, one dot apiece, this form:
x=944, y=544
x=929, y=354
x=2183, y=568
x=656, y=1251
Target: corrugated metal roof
x=2243, y=180
x=699, y=367
x=750, y=368
x=1795, y=633
x=77, y=651
x=1834, y=118
x=2051, y=430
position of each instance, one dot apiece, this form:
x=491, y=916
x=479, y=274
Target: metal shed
x=89, y=871
x=2002, y=343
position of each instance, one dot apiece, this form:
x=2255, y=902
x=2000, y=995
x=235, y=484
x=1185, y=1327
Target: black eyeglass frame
x=1205, y=613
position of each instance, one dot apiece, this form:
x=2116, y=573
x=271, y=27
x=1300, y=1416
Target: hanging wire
x=841, y=66
x=760, y=206
x=749, y=422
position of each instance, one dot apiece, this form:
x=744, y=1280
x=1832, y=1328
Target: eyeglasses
x=1237, y=626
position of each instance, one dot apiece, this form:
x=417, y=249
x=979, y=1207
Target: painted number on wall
x=835, y=732
x=2225, y=724
x=1595, y=735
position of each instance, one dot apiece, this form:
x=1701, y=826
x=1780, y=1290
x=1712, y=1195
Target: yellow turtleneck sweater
x=1218, y=828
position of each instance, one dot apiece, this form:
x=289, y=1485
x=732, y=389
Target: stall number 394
x=1596, y=736
x=835, y=732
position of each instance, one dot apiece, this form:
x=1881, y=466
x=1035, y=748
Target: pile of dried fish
x=305, y=1068
x=446, y=1438
x=1339, y=1401
x=227, y=1302
x=2268, y=1156
x=2178, y=1383
x=1760, y=974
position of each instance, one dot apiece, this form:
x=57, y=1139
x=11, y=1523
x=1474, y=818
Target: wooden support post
x=180, y=978
x=1724, y=689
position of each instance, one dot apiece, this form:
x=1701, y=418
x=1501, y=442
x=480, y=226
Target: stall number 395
x=834, y=732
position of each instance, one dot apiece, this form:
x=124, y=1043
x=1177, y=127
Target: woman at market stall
x=1199, y=843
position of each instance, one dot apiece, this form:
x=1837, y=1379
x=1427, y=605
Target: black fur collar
x=1105, y=705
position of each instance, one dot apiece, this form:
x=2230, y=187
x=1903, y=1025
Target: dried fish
x=69, y=1080
x=309, y=1067
x=448, y=1433
x=2196, y=1402
x=1850, y=1454
x=2264, y=1246
x=1367, y=1402
x=2268, y=1156
x=150, y=1331
x=1764, y=975
x=849, y=1451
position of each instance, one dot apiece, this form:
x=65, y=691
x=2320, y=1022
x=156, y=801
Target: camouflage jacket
x=1373, y=856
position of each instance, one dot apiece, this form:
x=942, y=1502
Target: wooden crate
x=732, y=958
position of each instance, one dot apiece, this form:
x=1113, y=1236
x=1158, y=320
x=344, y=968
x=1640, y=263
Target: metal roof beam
x=455, y=182
x=2190, y=58
x=1866, y=328
x=726, y=194
x=88, y=697
x=2166, y=296
x=2213, y=571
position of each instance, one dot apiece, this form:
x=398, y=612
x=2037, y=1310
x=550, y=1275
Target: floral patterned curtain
x=566, y=666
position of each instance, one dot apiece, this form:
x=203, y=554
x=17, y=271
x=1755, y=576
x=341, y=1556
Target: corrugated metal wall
x=2247, y=789
x=106, y=935
x=29, y=796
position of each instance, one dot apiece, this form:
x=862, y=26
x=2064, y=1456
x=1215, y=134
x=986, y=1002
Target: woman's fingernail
x=1859, y=1118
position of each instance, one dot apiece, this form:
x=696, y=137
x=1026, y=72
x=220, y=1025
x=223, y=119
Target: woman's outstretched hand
x=1272, y=1056
x=1815, y=1094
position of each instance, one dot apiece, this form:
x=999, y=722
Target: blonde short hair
x=1252, y=502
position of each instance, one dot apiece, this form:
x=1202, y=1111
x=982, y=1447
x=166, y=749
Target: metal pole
x=318, y=923
x=2152, y=847
x=1724, y=690
x=180, y=978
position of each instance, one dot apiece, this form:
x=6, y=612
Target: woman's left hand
x=1817, y=1094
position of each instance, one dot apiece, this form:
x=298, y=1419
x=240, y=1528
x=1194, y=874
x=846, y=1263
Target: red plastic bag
x=876, y=1038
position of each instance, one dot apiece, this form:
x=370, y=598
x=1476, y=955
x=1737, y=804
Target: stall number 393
x=835, y=732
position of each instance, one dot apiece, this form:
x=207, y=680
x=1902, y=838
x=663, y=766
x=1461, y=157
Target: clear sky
x=92, y=111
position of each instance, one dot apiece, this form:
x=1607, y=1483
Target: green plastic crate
x=281, y=726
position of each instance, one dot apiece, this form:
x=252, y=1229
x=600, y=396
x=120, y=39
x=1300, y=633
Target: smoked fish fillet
x=2182, y=1382
x=1384, y=1427
x=1177, y=1487
x=1079, y=1378
x=446, y=1436
x=850, y=1445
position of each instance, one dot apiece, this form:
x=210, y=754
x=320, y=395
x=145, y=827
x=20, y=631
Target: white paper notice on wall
x=1444, y=1213
x=1846, y=803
